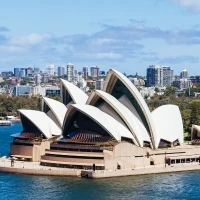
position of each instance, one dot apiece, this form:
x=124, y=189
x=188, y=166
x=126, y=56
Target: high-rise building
x=95, y=71
x=36, y=70
x=167, y=76
x=76, y=72
x=70, y=71
x=159, y=76
x=99, y=84
x=37, y=79
x=85, y=72
x=153, y=76
x=45, y=78
x=22, y=73
x=61, y=71
x=16, y=72
x=50, y=69
x=184, y=74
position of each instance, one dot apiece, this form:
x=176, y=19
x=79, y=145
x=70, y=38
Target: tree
x=157, y=90
x=186, y=116
x=170, y=90
x=195, y=112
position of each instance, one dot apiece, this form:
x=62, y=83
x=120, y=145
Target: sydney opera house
x=111, y=129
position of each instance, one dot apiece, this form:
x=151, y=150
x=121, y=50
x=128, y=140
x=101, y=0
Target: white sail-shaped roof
x=77, y=95
x=58, y=109
x=132, y=122
x=145, y=114
x=168, y=123
x=108, y=123
x=42, y=122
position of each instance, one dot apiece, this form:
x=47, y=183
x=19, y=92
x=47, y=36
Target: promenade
x=34, y=168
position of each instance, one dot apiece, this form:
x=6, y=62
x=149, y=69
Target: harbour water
x=160, y=186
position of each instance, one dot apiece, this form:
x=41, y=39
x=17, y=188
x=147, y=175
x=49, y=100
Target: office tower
x=70, y=72
x=159, y=76
x=85, y=72
x=16, y=72
x=184, y=74
x=50, y=69
x=22, y=73
x=61, y=71
x=95, y=71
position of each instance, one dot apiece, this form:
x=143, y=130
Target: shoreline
x=34, y=168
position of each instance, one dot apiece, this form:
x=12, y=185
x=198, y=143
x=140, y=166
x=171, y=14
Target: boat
x=5, y=123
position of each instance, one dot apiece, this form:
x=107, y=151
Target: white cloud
x=192, y=4
x=32, y=39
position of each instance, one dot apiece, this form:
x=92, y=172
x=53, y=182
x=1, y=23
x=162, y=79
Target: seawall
x=32, y=168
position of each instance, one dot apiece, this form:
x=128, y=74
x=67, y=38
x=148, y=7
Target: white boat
x=5, y=123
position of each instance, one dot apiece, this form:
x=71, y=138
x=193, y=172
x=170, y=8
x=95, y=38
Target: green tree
x=186, y=116
x=195, y=112
x=170, y=90
x=157, y=89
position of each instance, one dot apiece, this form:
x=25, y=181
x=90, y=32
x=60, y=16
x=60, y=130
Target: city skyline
x=125, y=37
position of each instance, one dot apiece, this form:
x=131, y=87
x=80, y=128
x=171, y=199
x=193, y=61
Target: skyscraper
x=159, y=76
x=61, y=71
x=167, y=76
x=95, y=71
x=22, y=73
x=85, y=73
x=50, y=69
x=184, y=74
x=70, y=71
x=16, y=72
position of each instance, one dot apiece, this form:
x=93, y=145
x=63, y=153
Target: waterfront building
x=70, y=72
x=112, y=129
x=61, y=71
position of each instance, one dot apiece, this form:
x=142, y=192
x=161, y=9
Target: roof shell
x=168, y=123
x=77, y=95
x=108, y=123
x=59, y=109
x=133, y=123
x=46, y=125
x=138, y=97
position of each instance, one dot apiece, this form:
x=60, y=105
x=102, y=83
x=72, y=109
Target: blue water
x=161, y=186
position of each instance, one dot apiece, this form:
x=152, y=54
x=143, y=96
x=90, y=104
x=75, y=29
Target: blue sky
x=126, y=35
